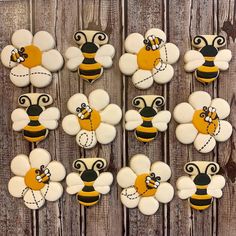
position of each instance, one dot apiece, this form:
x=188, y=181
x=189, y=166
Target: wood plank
x=15, y=218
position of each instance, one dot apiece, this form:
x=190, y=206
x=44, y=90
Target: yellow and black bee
x=201, y=187
x=208, y=61
x=35, y=120
x=92, y=55
x=147, y=121
x=88, y=185
x=18, y=55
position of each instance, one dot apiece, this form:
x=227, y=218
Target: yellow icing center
x=148, y=59
x=143, y=188
x=34, y=56
x=90, y=121
x=36, y=179
x=205, y=121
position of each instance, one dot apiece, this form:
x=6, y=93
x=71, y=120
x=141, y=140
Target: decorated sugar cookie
x=89, y=183
x=202, y=121
x=202, y=185
x=145, y=185
x=32, y=58
x=92, y=55
x=148, y=58
x=34, y=119
x=208, y=60
x=36, y=178
x=92, y=119
x=148, y=121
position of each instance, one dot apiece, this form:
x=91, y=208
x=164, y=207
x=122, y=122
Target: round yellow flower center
x=89, y=120
x=36, y=179
x=206, y=120
x=146, y=185
x=148, y=59
x=33, y=56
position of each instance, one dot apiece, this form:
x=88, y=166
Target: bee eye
x=78, y=109
x=83, y=105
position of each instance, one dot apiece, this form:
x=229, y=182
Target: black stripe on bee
x=87, y=199
x=90, y=72
x=207, y=74
x=89, y=61
x=145, y=135
x=36, y=134
x=88, y=189
x=200, y=202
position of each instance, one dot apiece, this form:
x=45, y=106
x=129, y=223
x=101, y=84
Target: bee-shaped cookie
x=148, y=120
x=208, y=61
x=92, y=56
x=202, y=185
x=35, y=120
x=89, y=184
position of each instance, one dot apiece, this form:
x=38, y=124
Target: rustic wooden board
x=181, y=20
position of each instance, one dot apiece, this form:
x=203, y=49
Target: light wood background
x=181, y=20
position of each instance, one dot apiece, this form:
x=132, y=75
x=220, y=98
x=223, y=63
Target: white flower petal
x=21, y=38
x=20, y=165
x=130, y=197
x=19, y=76
x=39, y=157
x=142, y=79
x=86, y=139
x=183, y=113
x=126, y=177
x=44, y=40
x=57, y=171
x=204, y=143
x=98, y=99
x=40, y=77
x=111, y=114
x=17, y=187
x=222, y=107
x=52, y=60
x=75, y=101
x=134, y=42
x=186, y=133
x=105, y=133
x=169, y=53
x=6, y=56
x=163, y=73
x=164, y=193
x=156, y=32
x=128, y=64
x=199, y=99
x=70, y=124
x=140, y=164
x=223, y=131
x=52, y=191
x=161, y=169
x=148, y=205
x=33, y=199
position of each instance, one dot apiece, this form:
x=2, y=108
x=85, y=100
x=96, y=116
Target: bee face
x=202, y=179
x=206, y=120
x=34, y=110
x=18, y=55
x=89, y=175
x=36, y=179
x=152, y=42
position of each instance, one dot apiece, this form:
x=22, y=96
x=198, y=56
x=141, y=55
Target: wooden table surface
x=181, y=20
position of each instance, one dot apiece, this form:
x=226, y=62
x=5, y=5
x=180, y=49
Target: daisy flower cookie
x=92, y=55
x=31, y=58
x=148, y=58
x=202, y=185
x=36, y=178
x=145, y=185
x=148, y=121
x=92, y=119
x=202, y=121
x=88, y=183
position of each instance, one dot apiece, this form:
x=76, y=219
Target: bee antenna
x=99, y=164
x=101, y=36
x=137, y=100
x=198, y=39
x=77, y=36
x=213, y=167
x=190, y=167
x=220, y=40
x=44, y=97
x=22, y=100
x=77, y=164
x=158, y=101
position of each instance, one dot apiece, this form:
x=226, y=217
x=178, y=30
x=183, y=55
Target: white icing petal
x=163, y=73
x=156, y=32
x=39, y=157
x=169, y=53
x=40, y=77
x=140, y=164
x=52, y=60
x=21, y=38
x=105, y=133
x=134, y=42
x=57, y=171
x=33, y=199
x=111, y=114
x=183, y=113
x=98, y=99
x=75, y=101
x=204, y=143
x=186, y=133
x=128, y=64
x=148, y=205
x=161, y=169
x=86, y=139
x=126, y=177
x=164, y=193
x=223, y=131
x=52, y=191
x=17, y=187
x=199, y=99
x=6, y=56
x=44, y=40
x=20, y=165
x=19, y=76
x=130, y=197
x=222, y=107
x=70, y=124
x=142, y=79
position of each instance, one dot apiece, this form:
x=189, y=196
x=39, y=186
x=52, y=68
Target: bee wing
x=193, y=60
x=49, y=117
x=186, y=187
x=161, y=119
x=20, y=119
x=75, y=57
x=74, y=183
x=133, y=119
x=103, y=182
x=215, y=186
x=104, y=55
x=222, y=58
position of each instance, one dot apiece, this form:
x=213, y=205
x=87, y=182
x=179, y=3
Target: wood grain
x=181, y=20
